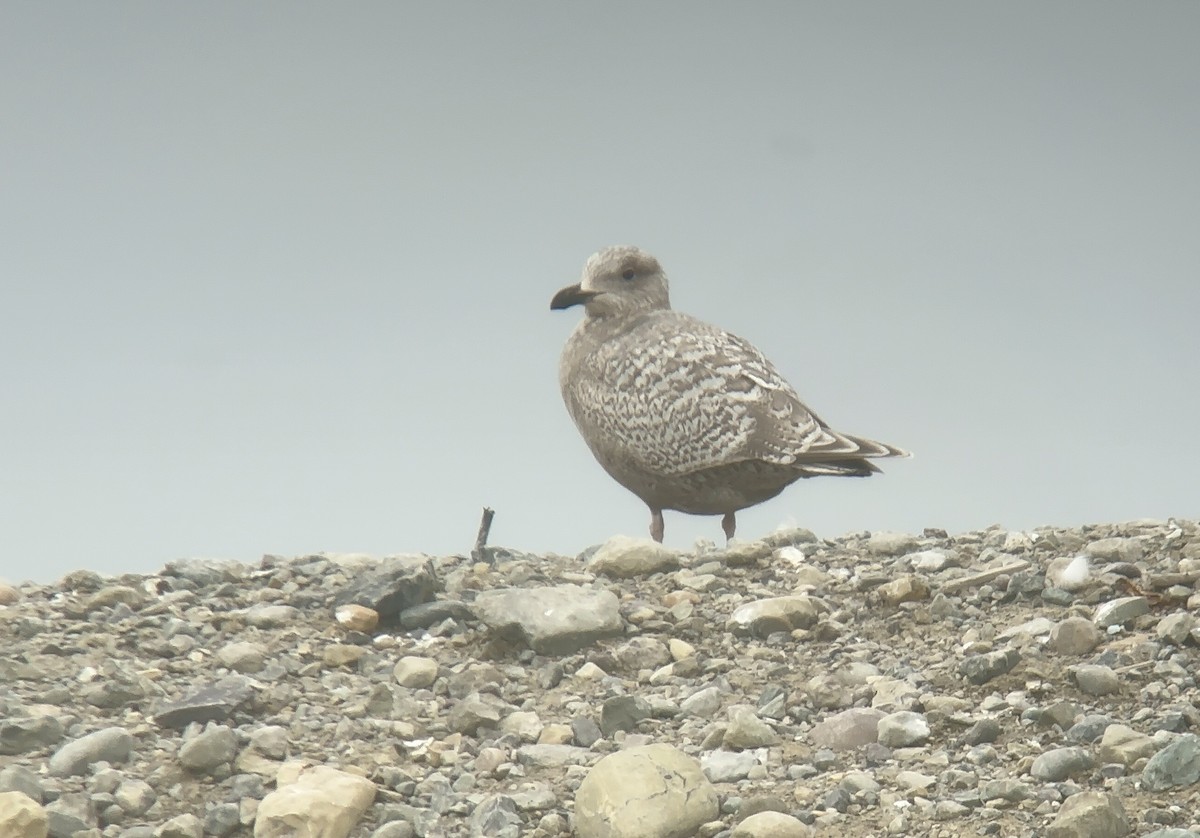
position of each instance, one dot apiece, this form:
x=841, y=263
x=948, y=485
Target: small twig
x=985, y=576
x=479, y=551
x=1134, y=667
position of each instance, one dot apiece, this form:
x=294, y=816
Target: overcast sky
x=276, y=276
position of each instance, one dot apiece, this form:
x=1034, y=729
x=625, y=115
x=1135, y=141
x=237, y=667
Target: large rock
x=551, y=620
x=902, y=729
x=112, y=744
x=209, y=703
x=781, y=613
x=1090, y=814
x=23, y=734
x=322, y=803
x=892, y=543
x=1176, y=765
x=69, y=814
x=649, y=791
x=399, y=582
x=21, y=817
x=216, y=745
x=623, y=557
x=1124, y=745
x=849, y=729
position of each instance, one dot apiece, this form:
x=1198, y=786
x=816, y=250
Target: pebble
x=415, y=672
x=1096, y=679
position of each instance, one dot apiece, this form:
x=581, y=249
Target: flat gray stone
x=848, y=730
x=552, y=756
x=783, y=613
x=208, y=703
x=1118, y=612
x=551, y=620
x=1116, y=549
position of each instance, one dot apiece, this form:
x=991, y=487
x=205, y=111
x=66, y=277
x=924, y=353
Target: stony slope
x=988, y=683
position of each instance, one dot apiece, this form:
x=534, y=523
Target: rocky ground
x=991, y=683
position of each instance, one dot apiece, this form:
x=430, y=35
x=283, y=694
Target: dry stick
x=478, y=552
x=986, y=576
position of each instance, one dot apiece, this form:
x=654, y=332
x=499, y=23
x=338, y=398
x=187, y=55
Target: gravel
x=1037, y=683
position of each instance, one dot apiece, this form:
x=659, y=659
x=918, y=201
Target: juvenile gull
x=685, y=415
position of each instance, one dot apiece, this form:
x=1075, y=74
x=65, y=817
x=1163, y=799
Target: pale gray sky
x=276, y=276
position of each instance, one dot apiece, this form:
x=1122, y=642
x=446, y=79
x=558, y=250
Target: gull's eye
x=628, y=273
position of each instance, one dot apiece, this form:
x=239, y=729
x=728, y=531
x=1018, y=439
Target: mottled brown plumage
x=685, y=415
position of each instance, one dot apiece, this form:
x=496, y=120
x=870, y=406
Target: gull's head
x=618, y=280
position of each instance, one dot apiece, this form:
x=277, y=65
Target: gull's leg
x=656, y=524
x=729, y=524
